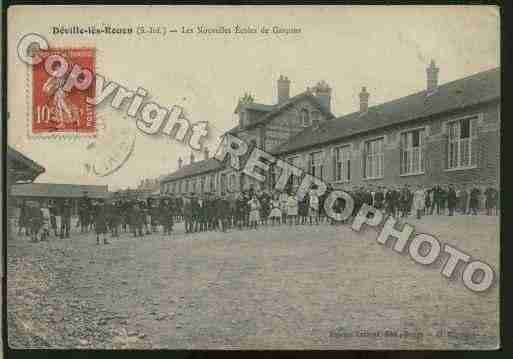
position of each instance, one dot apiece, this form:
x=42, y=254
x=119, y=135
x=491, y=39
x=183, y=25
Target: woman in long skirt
x=313, y=210
x=292, y=209
x=254, y=214
x=275, y=214
x=284, y=198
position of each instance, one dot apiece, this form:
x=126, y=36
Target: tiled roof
x=12, y=154
x=62, y=190
x=255, y=106
x=461, y=93
x=194, y=169
x=277, y=109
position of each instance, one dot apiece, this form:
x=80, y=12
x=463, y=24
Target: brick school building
x=445, y=134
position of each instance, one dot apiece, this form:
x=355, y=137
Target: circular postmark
x=111, y=151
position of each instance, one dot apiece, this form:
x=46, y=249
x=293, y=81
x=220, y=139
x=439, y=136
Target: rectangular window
x=202, y=184
x=317, y=164
x=460, y=143
x=343, y=163
x=373, y=159
x=412, y=159
x=223, y=182
x=212, y=183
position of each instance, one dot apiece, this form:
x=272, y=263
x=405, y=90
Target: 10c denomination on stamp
x=60, y=86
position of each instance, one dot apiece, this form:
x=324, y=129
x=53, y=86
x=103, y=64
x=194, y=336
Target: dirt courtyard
x=301, y=287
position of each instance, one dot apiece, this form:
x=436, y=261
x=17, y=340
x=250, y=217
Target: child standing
x=254, y=215
x=275, y=214
x=292, y=209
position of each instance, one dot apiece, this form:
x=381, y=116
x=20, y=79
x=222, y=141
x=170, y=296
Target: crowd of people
x=241, y=210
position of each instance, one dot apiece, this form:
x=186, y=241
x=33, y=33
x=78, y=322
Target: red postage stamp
x=61, y=84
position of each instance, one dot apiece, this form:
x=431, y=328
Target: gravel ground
x=324, y=287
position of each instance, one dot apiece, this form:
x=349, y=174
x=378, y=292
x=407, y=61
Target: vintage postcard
x=253, y=177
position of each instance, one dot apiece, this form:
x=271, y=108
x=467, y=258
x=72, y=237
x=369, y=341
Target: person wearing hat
x=100, y=222
x=275, y=214
x=166, y=213
x=239, y=209
x=222, y=211
x=65, y=218
x=254, y=212
x=187, y=213
x=137, y=220
x=35, y=220
x=53, y=216
x=196, y=212
x=84, y=212
x=292, y=208
x=313, y=206
x=211, y=211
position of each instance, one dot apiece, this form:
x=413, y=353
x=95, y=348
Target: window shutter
x=401, y=154
x=334, y=163
x=445, y=139
x=348, y=169
x=325, y=163
x=364, y=160
x=423, y=152
x=474, y=142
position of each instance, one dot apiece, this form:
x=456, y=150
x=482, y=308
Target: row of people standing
x=245, y=209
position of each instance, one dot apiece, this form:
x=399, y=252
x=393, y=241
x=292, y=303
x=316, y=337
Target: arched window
x=305, y=118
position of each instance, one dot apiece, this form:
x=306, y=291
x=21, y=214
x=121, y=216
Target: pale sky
x=385, y=49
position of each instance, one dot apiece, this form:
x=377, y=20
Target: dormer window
x=305, y=118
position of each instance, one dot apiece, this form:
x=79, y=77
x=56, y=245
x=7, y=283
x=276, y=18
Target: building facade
x=261, y=125
x=45, y=192
x=445, y=134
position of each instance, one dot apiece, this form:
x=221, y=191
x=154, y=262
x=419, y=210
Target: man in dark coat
x=115, y=217
x=404, y=201
x=187, y=214
x=136, y=219
x=166, y=215
x=35, y=220
x=474, y=200
x=223, y=211
x=240, y=203
x=100, y=222
x=491, y=195
x=379, y=197
x=452, y=200
x=84, y=212
x=53, y=217
x=246, y=208
x=65, y=218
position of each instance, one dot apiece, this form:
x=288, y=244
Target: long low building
x=444, y=134
x=44, y=192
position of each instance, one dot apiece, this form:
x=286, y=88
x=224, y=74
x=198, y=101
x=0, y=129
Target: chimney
x=432, y=77
x=364, y=100
x=192, y=157
x=180, y=162
x=206, y=153
x=283, y=89
x=322, y=92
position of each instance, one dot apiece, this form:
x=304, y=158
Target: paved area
x=276, y=288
